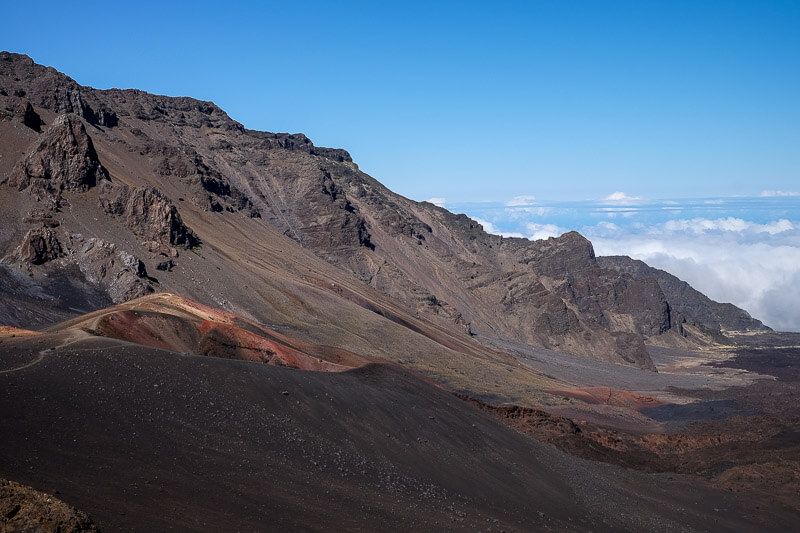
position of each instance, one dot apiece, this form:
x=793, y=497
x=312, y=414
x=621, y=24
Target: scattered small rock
x=166, y=266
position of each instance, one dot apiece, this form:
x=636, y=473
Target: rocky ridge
x=166, y=158
x=687, y=303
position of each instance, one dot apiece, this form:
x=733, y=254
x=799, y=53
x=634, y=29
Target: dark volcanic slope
x=147, y=439
x=686, y=302
x=144, y=193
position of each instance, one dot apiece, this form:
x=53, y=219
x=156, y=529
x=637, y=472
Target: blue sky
x=472, y=101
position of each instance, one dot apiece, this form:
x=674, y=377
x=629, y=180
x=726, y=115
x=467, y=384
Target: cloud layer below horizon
x=740, y=250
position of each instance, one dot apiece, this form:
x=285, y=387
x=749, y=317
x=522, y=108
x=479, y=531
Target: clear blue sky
x=471, y=100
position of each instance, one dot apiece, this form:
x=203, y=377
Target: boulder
x=166, y=265
x=121, y=274
x=149, y=214
x=39, y=246
x=63, y=159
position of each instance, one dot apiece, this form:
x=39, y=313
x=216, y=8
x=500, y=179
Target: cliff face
x=687, y=303
x=181, y=188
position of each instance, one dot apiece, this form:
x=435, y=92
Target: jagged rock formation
x=415, y=264
x=687, y=303
x=49, y=89
x=39, y=246
x=122, y=274
x=19, y=110
x=208, y=188
x=149, y=214
x=63, y=159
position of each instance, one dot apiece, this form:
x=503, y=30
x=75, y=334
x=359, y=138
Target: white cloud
x=521, y=201
x=488, y=227
x=768, y=194
x=543, y=231
x=620, y=197
x=608, y=226
x=522, y=212
x=729, y=224
x=612, y=212
x=436, y=201
x=534, y=231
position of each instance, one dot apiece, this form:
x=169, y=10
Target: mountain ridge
x=690, y=304
x=188, y=161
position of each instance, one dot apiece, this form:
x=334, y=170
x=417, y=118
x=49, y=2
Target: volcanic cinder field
x=146, y=438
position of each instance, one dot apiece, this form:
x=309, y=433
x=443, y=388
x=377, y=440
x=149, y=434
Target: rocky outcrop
x=120, y=273
x=106, y=267
x=49, y=89
x=687, y=304
x=149, y=214
x=25, y=509
x=39, y=246
x=63, y=159
x=298, y=141
x=20, y=110
x=322, y=214
x=208, y=188
x=568, y=255
x=631, y=348
x=74, y=103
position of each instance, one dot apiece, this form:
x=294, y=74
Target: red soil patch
x=199, y=310
x=221, y=340
x=129, y=326
x=608, y=396
x=170, y=322
x=10, y=331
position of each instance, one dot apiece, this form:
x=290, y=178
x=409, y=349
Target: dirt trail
x=36, y=360
x=74, y=336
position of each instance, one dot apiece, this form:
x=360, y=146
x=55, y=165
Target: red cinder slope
x=170, y=322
